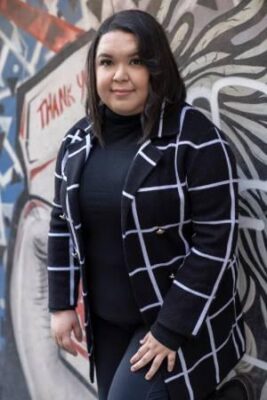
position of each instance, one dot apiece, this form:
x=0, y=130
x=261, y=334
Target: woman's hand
x=152, y=349
x=63, y=323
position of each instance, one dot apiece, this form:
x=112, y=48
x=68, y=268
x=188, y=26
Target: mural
x=221, y=49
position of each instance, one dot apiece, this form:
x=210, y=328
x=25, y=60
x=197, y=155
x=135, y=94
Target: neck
x=117, y=127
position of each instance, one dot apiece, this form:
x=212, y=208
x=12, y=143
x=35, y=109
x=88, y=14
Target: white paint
x=246, y=184
x=256, y=362
x=231, y=81
x=15, y=51
x=251, y=223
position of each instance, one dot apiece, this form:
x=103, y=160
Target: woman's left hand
x=152, y=350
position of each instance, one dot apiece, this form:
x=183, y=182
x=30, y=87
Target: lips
x=121, y=92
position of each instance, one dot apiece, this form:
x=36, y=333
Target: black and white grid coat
x=179, y=227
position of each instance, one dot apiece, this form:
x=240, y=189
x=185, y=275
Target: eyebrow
x=136, y=53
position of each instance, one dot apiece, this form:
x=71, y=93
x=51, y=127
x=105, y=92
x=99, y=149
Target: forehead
x=117, y=42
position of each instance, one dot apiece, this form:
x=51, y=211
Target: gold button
x=160, y=231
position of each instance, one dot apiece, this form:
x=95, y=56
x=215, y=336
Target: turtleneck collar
x=121, y=119
x=118, y=128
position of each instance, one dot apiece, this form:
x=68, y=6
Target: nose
x=121, y=74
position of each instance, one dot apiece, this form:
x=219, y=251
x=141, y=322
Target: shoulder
x=197, y=126
x=77, y=131
x=188, y=123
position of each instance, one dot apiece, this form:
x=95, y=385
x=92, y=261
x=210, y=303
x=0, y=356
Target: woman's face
x=122, y=80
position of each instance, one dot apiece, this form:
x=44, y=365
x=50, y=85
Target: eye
x=136, y=61
x=106, y=62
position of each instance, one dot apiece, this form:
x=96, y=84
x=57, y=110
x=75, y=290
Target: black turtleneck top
x=102, y=181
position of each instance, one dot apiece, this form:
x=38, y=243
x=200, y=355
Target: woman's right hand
x=63, y=323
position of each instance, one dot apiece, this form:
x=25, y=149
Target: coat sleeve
x=63, y=269
x=212, y=193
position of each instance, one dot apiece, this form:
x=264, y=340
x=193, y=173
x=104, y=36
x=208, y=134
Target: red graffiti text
x=81, y=82
x=55, y=104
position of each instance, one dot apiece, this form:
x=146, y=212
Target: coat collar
x=145, y=160
x=167, y=124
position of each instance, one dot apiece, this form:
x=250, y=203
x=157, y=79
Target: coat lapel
x=169, y=124
x=76, y=156
x=145, y=160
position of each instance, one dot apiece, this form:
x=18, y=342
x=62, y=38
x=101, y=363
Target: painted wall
x=221, y=48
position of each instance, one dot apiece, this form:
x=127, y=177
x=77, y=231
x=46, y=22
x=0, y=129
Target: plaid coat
x=179, y=227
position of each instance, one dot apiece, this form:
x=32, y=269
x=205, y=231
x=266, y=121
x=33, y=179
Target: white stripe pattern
x=74, y=186
x=144, y=252
x=222, y=309
x=141, y=148
x=56, y=204
x=72, y=227
x=88, y=146
x=144, y=241
x=213, y=350
x=130, y=196
x=74, y=153
x=87, y=128
x=185, y=374
x=155, y=266
x=147, y=158
x=58, y=234
x=161, y=118
x=219, y=348
x=205, y=255
x=179, y=183
x=62, y=268
x=162, y=187
x=76, y=136
x=187, y=289
x=72, y=273
x=72, y=137
x=149, y=306
x=229, y=242
x=212, y=185
x=218, y=222
x=63, y=164
x=235, y=344
x=57, y=175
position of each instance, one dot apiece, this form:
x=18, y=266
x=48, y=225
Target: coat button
x=62, y=216
x=160, y=231
x=172, y=276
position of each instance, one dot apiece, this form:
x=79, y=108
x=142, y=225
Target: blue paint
x=5, y=26
x=12, y=192
x=70, y=13
x=2, y=311
x=5, y=162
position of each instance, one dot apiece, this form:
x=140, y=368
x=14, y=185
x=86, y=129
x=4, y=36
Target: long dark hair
x=154, y=51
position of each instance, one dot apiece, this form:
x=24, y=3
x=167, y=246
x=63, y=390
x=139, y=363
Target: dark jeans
x=114, y=346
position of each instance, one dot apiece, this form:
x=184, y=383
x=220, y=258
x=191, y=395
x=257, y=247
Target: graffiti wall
x=221, y=49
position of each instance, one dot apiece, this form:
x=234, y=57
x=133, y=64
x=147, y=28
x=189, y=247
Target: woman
x=146, y=210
